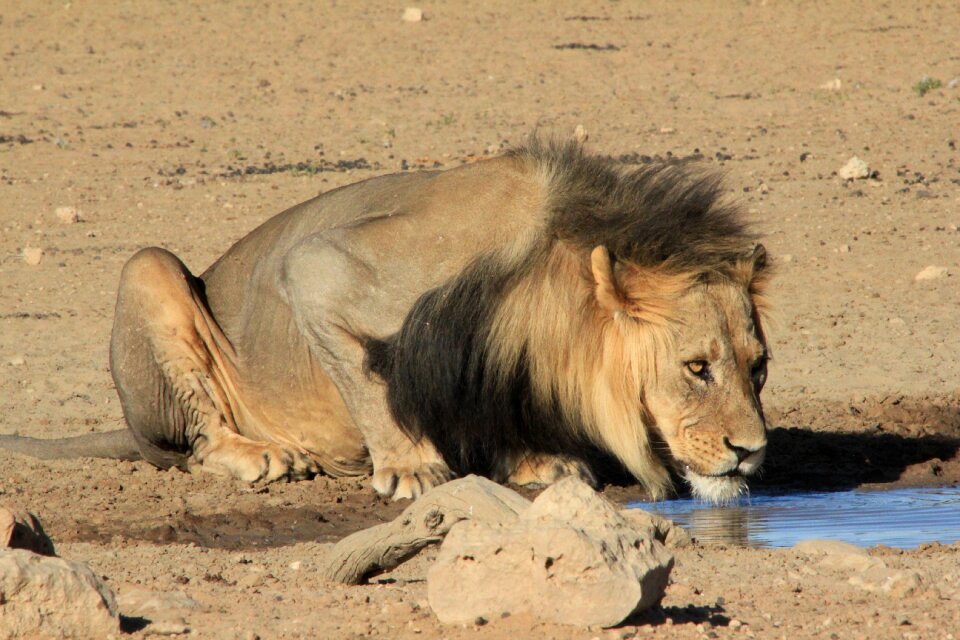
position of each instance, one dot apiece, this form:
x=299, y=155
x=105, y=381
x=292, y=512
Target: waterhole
x=901, y=518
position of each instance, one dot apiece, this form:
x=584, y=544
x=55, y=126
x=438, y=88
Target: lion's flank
x=514, y=355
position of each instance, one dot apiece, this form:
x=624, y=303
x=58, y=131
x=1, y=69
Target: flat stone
x=835, y=547
x=931, y=273
x=143, y=603
x=412, y=14
x=892, y=582
x=849, y=562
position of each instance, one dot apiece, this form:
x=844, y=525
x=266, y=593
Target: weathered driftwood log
x=424, y=522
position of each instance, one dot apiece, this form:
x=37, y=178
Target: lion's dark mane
x=442, y=383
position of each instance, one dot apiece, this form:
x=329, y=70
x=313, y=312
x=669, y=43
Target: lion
x=521, y=317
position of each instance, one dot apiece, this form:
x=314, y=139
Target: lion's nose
x=742, y=453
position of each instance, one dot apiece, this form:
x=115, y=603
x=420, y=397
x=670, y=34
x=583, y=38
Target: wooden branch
x=424, y=522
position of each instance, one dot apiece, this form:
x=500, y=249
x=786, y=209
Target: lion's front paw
x=543, y=469
x=399, y=483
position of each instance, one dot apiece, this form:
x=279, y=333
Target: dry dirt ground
x=186, y=124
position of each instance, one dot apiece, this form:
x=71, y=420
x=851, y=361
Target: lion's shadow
x=801, y=459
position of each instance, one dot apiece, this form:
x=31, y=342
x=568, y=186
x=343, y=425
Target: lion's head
x=627, y=322
x=697, y=363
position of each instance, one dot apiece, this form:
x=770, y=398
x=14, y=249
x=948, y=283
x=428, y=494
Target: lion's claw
x=406, y=483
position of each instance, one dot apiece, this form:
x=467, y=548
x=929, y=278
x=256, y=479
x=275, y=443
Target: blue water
x=900, y=518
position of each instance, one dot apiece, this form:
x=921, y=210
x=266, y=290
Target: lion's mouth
x=730, y=473
x=721, y=488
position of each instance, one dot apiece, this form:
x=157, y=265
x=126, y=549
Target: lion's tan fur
x=522, y=309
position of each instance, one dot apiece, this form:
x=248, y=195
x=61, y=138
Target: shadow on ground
x=837, y=446
x=800, y=459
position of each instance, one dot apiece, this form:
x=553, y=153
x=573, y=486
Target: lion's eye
x=699, y=368
x=759, y=372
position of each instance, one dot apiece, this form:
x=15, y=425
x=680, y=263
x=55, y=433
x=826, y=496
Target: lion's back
x=416, y=228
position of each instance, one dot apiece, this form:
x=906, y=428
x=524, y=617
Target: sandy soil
x=186, y=124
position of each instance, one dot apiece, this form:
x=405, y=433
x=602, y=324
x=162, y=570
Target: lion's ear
x=605, y=283
x=643, y=293
x=754, y=272
x=651, y=294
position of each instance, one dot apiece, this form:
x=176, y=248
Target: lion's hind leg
x=175, y=375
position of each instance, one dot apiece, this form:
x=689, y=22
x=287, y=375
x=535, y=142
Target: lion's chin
x=716, y=489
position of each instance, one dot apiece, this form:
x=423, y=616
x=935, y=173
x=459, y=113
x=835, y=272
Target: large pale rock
x=571, y=557
x=53, y=598
x=22, y=530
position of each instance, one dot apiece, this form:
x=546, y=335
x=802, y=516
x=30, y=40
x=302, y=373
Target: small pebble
x=412, y=14
x=166, y=628
x=854, y=169
x=32, y=255
x=844, y=248
x=931, y=272
x=17, y=360
x=67, y=215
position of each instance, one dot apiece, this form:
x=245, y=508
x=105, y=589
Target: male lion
x=513, y=317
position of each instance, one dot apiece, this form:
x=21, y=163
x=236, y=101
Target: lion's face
x=704, y=400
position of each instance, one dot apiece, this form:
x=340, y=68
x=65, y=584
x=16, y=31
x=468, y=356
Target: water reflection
x=900, y=518
x=729, y=524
